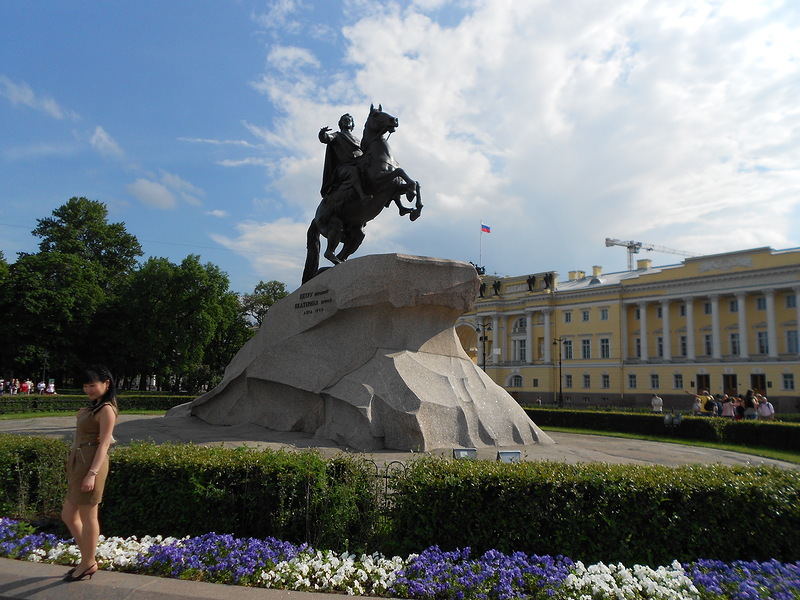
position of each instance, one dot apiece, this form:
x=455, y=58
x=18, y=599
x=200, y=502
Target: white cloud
x=104, y=143
x=21, y=93
x=291, y=58
x=275, y=250
x=562, y=123
x=250, y=161
x=244, y=143
x=164, y=194
x=218, y=213
x=153, y=194
x=279, y=16
x=176, y=183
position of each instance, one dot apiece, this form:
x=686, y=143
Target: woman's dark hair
x=99, y=373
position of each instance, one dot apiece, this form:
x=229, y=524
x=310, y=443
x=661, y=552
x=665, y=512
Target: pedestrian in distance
x=657, y=404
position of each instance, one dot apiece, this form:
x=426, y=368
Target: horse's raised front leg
x=404, y=210
x=411, y=185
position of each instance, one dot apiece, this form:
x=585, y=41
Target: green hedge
x=33, y=479
x=591, y=512
x=768, y=434
x=71, y=403
x=176, y=489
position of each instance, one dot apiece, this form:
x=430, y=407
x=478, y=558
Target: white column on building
x=741, y=311
x=667, y=334
x=548, y=336
x=716, y=341
x=496, y=339
x=506, y=323
x=643, y=331
x=529, y=337
x=797, y=309
x=623, y=325
x=691, y=353
x=772, y=329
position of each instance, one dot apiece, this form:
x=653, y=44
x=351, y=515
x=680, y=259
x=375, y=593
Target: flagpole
x=480, y=253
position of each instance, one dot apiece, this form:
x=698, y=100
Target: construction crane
x=635, y=247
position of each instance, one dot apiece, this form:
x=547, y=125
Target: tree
x=183, y=314
x=264, y=295
x=50, y=299
x=80, y=227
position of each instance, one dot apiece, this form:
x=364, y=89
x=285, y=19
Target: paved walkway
x=569, y=447
x=35, y=581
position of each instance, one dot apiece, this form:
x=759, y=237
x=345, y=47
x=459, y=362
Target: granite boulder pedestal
x=366, y=354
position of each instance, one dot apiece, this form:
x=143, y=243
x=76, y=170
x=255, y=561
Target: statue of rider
x=340, y=172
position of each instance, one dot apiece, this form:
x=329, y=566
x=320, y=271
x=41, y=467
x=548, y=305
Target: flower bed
x=432, y=575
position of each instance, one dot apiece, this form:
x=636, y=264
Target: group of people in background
x=747, y=406
x=26, y=386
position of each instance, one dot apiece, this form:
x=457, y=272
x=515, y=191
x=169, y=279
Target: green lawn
x=792, y=457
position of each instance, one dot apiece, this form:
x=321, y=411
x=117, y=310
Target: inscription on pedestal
x=313, y=302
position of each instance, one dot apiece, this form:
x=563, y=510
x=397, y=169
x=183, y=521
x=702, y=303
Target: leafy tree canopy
x=81, y=227
x=264, y=295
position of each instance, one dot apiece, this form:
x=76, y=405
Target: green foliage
x=264, y=295
x=32, y=475
x=190, y=490
x=71, y=403
x=767, y=434
x=593, y=512
x=590, y=512
x=184, y=315
x=80, y=228
x=83, y=299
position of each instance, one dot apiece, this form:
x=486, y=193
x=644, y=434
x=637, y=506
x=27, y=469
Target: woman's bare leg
x=71, y=518
x=84, y=525
x=89, y=535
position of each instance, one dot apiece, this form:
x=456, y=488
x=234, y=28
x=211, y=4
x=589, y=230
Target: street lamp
x=482, y=328
x=559, y=341
x=44, y=356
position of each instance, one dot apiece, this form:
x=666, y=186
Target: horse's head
x=379, y=122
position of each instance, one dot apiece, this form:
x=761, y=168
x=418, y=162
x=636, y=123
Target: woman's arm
x=107, y=418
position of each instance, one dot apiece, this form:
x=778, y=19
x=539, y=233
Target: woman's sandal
x=70, y=577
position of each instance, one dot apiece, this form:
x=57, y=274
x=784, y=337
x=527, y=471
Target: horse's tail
x=313, y=247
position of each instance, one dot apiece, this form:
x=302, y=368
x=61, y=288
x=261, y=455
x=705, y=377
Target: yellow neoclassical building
x=724, y=322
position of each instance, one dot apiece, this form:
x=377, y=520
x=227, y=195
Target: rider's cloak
x=340, y=142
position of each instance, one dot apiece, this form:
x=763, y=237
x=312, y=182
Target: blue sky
x=557, y=122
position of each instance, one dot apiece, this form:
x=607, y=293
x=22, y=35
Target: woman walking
x=87, y=467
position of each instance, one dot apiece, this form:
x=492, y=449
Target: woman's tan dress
x=87, y=436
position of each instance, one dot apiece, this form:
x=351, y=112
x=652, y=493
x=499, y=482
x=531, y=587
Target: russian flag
x=485, y=228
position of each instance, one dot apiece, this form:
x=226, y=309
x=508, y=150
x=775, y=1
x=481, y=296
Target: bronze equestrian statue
x=359, y=181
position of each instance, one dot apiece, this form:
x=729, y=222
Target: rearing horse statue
x=341, y=215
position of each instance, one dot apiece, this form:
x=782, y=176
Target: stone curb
x=39, y=581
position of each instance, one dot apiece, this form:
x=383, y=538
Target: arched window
x=520, y=325
x=515, y=381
